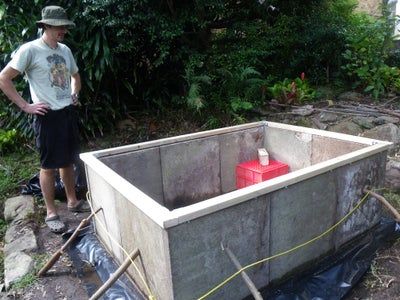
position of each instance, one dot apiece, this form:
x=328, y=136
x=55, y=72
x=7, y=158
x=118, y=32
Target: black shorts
x=57, y=137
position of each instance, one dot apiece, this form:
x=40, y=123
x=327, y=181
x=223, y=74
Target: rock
x=351, y=96
x=364, y=122
x=392, y=178
x=385, y=120
x=347, y=127
x=26, y=243
x=305, y=122
x=18, y=208
x=387, y=132
x=327, y=117
x=318, y=124
x=16, y=265
x=14, y=231
x=305, y=110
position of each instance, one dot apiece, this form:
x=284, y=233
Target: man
x=54, y=84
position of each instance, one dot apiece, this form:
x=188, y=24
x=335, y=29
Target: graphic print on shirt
x=59, y=75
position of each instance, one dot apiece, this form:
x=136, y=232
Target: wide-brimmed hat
x=55, y=16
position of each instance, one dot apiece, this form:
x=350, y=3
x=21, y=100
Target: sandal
x=55, y=224
x=81, y=207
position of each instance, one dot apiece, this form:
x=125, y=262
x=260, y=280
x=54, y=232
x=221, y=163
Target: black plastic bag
x=32, y=187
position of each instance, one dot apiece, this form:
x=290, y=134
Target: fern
x=248, y=72
x=194, y=99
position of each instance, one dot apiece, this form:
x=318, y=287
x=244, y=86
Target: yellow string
x=150, y=294
x=284, y=252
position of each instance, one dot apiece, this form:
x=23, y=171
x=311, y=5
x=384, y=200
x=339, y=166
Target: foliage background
x=216, y=59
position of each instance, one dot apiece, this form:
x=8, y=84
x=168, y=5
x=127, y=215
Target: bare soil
x=382, y=281
x=61, y=282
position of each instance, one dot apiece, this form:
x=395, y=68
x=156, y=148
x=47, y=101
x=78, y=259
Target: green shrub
x=12, y=117
x=369, y=42
x=17, y=26
x=318, y=40
x=226, y=95
x=296, y=36
x=195, y=84
x=8, y=140
x=236, y=92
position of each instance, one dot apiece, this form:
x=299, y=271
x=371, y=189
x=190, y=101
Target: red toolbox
x=251, y=172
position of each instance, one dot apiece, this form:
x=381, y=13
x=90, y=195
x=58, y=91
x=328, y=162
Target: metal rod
x=57, y=255
x=256, y=294
x=395, y=213
x=114, y=277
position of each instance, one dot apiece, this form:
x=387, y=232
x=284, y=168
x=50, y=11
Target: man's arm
x=75, y=88
x=7, y=86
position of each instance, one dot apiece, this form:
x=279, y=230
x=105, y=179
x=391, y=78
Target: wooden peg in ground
x=114, y=277
x=57, y=255
x=395, y=213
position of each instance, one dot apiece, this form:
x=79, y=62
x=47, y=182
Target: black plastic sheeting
x=337, y=274
x=332, y=279
x=87, y=248
x=32, y=187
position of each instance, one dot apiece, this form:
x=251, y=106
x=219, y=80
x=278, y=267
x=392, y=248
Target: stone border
x=20, y=239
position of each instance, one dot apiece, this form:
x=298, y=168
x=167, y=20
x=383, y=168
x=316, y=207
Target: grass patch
x=31, y=278
x=25, y=281
x=40, y=260
x=393, y=199
x=15, y=168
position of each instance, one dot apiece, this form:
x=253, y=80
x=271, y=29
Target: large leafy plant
x=226, y=94
x=237, y=92
x=294, y=91
x=17, y=26
x=8, y=140
x=369, y=42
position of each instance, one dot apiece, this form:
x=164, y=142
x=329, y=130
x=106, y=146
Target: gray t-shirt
x=48, y=71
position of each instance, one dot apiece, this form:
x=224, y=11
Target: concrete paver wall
x=181, y=249
x=268, y=225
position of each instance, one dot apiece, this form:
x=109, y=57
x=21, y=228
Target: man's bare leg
x=47, y=182
x=67, y=176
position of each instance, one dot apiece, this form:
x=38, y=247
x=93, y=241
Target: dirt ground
x=62, y=281
x=382, y=281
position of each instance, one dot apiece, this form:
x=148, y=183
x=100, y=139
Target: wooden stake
x=395, y=213
x=114, y=277
x=57, y=255
x=256, y=294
